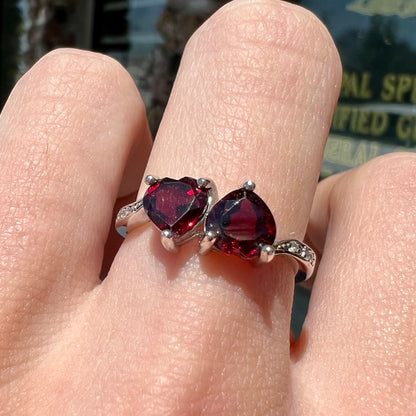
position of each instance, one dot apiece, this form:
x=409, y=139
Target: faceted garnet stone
x=176, y=205
x=242, y=221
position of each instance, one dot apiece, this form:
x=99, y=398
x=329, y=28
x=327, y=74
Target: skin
x=179, y=334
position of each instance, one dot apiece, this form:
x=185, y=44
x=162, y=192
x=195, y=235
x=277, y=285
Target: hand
x=180, y=334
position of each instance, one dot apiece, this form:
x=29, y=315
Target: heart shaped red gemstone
x=242, y=222
x=175, y=204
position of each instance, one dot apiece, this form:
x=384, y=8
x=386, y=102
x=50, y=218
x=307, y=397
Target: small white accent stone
x=307, y=255
x=294, y=247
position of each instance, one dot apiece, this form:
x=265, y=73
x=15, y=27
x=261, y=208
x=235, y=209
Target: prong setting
x=203, y=183
x=249, y=186
x=166, y=237
x=207, y=242
x=266, y=253
x=151, y=180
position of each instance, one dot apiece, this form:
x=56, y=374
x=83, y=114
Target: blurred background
x=376, y=113
x=376, y=39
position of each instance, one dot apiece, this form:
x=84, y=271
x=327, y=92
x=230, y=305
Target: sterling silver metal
x=301, y=252
x=150, y=180
x=130, y=214
x=249, y=186
x=207, y=242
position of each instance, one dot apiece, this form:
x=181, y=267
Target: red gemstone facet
x=177, y=205
x=242, y=222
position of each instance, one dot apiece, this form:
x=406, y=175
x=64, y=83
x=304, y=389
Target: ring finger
x=253, y=100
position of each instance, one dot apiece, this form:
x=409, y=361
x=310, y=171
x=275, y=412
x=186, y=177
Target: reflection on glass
x=148, y=38
x=30, y=28
x=376, y=39
x=376, y=113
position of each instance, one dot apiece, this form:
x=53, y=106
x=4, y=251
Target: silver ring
x=126, y=214
x=240, y=223
x=302, y=253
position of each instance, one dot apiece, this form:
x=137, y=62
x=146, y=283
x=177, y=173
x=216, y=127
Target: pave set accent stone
x=298, y=249
x=176, y=205
x=242, y=223
x=129, y=210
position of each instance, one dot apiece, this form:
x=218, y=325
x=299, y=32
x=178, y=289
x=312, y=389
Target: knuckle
x=75, y=75
x=65, y=91
x=261, y=54
x=66, y=94
x=376, y=206
x=386, y=182
x=271, y=25
x=391, y=178
x=45, y=137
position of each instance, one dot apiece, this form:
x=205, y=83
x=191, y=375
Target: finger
x=134, y=170
x=115, y=240
x=360, y=328
x=137, y=160
x=66, y=134
x=316, y=229
x=253, y=100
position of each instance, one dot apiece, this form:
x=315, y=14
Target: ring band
x=302, y=253
x=127, y=213
x=240, y=223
